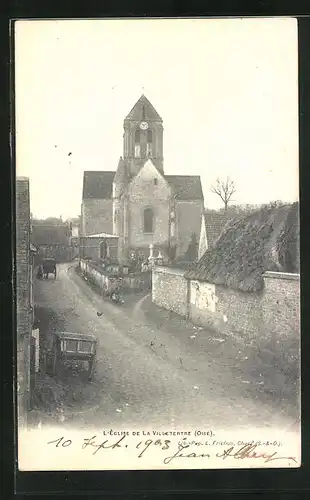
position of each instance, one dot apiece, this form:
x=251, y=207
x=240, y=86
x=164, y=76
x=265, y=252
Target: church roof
x=98, y=185
x=143, y=110
x=185, y=187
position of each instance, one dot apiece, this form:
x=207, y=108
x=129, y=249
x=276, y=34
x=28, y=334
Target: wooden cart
x=74, y=347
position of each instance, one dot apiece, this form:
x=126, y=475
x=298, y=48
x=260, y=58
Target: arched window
x=137, y=144
x=149, y=146
x=137, y=135
x=148, y=220
x=137, y=150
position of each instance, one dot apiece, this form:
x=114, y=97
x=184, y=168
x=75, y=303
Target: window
x=103, y=250
x=84, y=346
x=149, y=136
x=143, y=112
x=137, y=150
x=71, y=345
x=137, y=135
x=148, y=220
x=155, y=182
x=149, y=149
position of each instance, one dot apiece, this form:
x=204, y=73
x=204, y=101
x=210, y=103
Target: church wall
x=143, y=193
x=188, y=221
x=97, y=216
x=203, y=243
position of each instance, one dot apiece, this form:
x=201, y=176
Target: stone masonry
x=23, y=297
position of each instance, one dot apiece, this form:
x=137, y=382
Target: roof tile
x=214, y=224
x=186, y=187
x=98, y=184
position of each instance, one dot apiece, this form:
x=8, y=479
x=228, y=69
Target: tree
x=224, y=189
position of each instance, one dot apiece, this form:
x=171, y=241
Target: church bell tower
x=143, y=137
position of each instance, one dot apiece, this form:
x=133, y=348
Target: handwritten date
x=183, y=449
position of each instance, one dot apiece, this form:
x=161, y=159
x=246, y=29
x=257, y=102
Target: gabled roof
x=214, y=224
x=148, y=113
x=185, y=187
x=97, y=185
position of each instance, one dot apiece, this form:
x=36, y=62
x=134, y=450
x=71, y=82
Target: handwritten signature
x=248, y=451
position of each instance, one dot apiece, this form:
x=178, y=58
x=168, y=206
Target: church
x=138, y=203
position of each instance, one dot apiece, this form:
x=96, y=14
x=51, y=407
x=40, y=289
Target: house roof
x=98, y=184
x=100, y=235
x=214, y=224
x=185, y=187
x=265, y=240
x=143, y=110
x=50, y=234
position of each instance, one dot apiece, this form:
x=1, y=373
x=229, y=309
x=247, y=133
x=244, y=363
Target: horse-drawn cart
x=48, y=266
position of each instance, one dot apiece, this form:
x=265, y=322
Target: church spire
x=143, y=137
x=143, y=106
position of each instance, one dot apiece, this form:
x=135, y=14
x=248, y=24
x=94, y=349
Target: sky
x=226, y=89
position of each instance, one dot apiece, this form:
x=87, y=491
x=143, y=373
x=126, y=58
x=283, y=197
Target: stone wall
x=224, y=309
x=266, y=317
x=96, y=217
x=135, y=282
x=281, y=303
x=170, y=289
x=23, y=297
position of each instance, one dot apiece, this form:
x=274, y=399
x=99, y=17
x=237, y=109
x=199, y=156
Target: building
x=139, y=203
x=25, y=252
x=53, y=240
x=98, y=247
x=212, y=224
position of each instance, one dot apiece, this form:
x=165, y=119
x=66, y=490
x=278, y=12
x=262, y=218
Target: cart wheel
x=58, y=367
x=90, y=369
x=54, y=361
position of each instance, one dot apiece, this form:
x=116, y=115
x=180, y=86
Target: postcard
x=157, y=244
